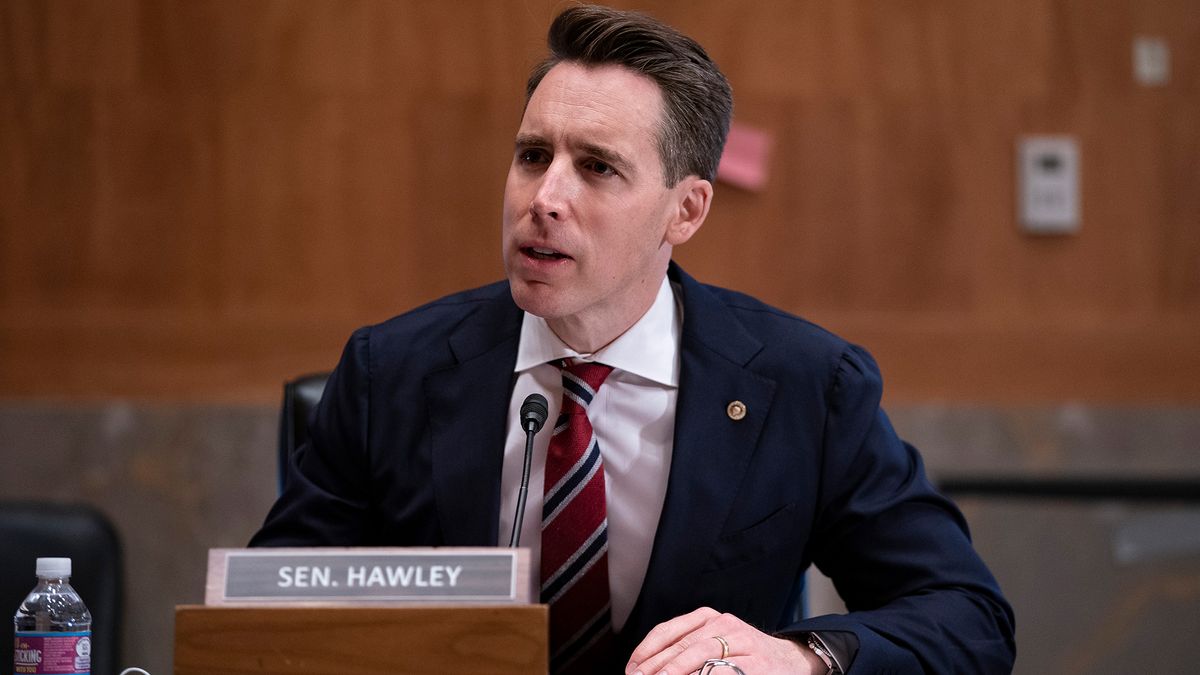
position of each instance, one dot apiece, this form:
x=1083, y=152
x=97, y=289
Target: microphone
x=533, y=413
x=533, y=416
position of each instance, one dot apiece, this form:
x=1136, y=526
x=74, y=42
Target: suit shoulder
x=481, y=315
x=767, y=321
x=792, y=343
x=441, y=315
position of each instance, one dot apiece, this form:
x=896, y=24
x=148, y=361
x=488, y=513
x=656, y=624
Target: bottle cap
x=54, y=568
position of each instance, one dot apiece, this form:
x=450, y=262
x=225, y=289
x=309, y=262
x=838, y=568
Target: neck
x=589, y=339
x=589, y=334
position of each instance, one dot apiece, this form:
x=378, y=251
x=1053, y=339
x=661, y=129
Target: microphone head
x=533, y=413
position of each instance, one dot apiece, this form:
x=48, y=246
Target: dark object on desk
x=1072, y=487
x=300, y=396
x=30, y=530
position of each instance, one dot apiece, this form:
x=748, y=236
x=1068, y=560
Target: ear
x=695, y=197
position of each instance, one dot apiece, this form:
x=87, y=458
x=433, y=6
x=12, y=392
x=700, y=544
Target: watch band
x=818, y=647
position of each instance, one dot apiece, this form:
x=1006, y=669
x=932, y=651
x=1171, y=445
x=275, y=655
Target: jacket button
x=736, y=410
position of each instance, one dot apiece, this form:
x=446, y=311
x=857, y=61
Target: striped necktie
x=574, y=562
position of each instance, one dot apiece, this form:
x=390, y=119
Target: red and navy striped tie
x=575, y=529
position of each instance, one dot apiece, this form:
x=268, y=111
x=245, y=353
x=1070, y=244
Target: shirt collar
x=649, y=349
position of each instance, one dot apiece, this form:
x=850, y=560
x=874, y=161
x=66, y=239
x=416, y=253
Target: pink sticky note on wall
x=744, y=162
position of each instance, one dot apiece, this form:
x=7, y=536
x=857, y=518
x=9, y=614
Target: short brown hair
x=697, y=97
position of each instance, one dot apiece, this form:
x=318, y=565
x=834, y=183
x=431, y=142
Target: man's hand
x=683, y=644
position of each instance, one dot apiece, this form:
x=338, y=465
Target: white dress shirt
x=633, y=417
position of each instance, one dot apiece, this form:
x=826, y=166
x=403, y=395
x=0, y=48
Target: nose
x=554, y=192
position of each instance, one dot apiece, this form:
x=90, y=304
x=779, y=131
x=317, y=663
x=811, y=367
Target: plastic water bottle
x=53, y=627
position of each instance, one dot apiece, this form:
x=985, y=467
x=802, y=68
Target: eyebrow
x=601, y=153
x=608, y=157
x=528, y=141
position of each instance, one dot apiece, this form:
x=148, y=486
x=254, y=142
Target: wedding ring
x=724, y=646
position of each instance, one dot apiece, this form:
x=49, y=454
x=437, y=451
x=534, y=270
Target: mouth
x=541, y=253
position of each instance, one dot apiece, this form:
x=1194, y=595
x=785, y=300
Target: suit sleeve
x=919, y=598
x=326, y=502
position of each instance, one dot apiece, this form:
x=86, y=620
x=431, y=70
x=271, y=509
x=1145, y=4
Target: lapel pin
x=736, y=410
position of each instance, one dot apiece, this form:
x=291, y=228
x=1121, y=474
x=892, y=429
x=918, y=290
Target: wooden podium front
x=497, y=639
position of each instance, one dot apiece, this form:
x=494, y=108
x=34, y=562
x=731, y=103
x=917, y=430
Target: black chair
x=300, y=396
x=32, y=530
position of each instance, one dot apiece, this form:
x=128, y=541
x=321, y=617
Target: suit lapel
x=710, y=455
x=468, y=403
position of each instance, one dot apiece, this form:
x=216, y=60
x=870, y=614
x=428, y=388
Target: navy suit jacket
x=407, y=444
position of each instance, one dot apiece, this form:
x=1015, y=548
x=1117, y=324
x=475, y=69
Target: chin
x=537, y=299
x=526, y=295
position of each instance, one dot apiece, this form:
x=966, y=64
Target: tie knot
x=580, y=382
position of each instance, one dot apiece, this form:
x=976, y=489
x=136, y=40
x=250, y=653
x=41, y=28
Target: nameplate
x=319, y=576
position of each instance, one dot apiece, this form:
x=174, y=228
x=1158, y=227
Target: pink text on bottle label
x=52, y=653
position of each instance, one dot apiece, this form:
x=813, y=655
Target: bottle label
x=60, y=653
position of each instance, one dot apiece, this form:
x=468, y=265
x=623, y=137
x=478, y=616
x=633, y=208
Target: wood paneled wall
x=201, y=198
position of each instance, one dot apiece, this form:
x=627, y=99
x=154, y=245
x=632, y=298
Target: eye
x=601, y=168
x=532, y=156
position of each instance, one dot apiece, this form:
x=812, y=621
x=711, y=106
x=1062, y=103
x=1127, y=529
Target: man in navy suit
x=740, y=443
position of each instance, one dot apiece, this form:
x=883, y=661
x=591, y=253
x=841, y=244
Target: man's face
x=588, y=223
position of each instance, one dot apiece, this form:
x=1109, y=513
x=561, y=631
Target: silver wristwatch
x=817, y=646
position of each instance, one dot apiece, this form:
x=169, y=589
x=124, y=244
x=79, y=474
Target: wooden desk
x=496, y=639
